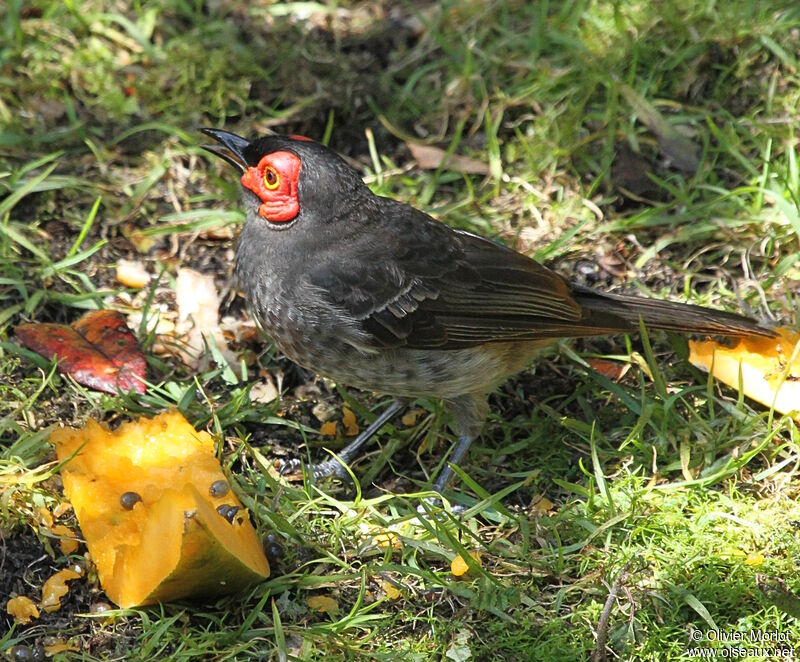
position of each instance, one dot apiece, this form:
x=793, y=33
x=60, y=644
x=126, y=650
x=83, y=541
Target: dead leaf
x=349, y=422
x=683, y=154
x=140, y=241
x=265, y=391
x=198, y=318
x=328, y=429
x=412, y=416
x=98, y=351
x=391, y=591
x=323, y=603
x=221, y=232
x=429, y=157
x=611, y=369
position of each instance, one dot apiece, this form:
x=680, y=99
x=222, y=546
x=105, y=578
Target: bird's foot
x=434, y=505
x=317, y=472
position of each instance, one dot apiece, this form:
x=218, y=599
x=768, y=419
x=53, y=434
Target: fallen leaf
x=264, y=391
x=328, y=429
x=459, y=650
x=141, y=241
x=59, y=647
x=99, y=350
x=611, y=369
x=629, y=171
x=391, y=591
x=225, y=231
x=198, y=319
x=323, y=603
x=429, y=157
x=683, y=154
x=45, y=517
x=349, y=422
x=412, y=416
x=387, y=539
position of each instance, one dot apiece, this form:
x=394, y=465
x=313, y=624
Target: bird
x=376, y=294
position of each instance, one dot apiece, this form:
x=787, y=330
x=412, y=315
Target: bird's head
x=288, y=179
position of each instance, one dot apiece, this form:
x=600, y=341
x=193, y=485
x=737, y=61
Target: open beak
x=231, y=147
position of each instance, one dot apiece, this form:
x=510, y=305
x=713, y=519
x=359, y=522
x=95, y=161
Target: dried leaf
x=459, y=650
x=323, y=603
x=62, y=509
x=198, y=318
x=391, y=591
x=433, y=158
x=98, y=350
x=328, y=429
x=629, y=171
x=412, y=416
x=610, y=369
x=265, y=391
x=349, y=422
x=680, y=150
x=387, y=539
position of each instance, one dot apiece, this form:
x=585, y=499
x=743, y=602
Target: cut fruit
x=770, y=367
x=171, y=542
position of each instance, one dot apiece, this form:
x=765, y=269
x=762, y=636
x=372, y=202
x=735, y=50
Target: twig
x=602, y=625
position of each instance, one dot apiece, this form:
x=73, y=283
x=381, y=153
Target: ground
x=643, y=147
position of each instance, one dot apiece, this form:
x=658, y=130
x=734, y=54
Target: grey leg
x=469, y=414
x=455, y=458
x=334, y=467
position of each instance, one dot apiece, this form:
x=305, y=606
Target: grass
x=668, y=493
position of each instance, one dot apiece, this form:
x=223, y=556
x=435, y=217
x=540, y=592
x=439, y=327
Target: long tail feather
x=669, y=315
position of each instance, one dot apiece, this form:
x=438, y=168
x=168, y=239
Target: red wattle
x=279, y=211
x=280, y=204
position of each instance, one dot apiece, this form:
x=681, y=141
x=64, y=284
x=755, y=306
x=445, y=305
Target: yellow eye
x=271, y=178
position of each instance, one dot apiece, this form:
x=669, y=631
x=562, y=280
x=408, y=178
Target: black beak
x=231, y=148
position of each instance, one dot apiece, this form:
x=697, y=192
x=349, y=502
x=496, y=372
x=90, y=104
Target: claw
x=289, y=467
x=317, y=472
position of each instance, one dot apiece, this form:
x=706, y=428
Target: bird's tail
x=669, y=315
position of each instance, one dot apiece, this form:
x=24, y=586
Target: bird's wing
x=420, y=284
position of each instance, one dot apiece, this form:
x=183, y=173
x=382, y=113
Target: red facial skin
x=279, y=204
